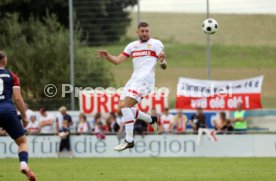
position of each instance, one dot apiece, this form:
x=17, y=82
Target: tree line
x=36, y=38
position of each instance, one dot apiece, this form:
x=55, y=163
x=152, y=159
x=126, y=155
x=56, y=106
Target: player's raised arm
x=162, y=60
x=113, y=59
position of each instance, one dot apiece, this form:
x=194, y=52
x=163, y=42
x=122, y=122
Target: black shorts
x=11, y=124
x=65, y=144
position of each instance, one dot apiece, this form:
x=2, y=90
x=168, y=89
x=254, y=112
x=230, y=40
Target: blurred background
x=55, y=42
x=35, y=34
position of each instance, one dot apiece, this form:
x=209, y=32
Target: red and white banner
x=91, y=102
x=219, y=95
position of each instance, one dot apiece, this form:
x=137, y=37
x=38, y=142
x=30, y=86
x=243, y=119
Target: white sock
x=23, y=164
x=141, y=115
x=128, y=119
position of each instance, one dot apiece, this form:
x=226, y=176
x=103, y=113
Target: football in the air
x=210, y=26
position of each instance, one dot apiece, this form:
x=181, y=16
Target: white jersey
x=166, y=121
x=29, y=113
x=33, y=126
x=49, y=128
x=144, y=57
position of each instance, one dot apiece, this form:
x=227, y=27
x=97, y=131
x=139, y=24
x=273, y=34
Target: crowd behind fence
x=172, y=121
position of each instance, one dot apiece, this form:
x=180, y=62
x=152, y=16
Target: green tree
x=39, y=52
x=101, y=21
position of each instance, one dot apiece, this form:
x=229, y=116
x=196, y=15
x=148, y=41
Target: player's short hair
x=63, y=108
x=2, y=55
x=143, y=24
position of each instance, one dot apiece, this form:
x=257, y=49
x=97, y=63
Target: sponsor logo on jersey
x=142, y=53
x=5, y=75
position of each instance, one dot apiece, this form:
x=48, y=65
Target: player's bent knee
x=122, y=105
x=126, y=104
x=21, y=140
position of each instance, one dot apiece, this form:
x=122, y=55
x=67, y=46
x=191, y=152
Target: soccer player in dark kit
x=9, y=120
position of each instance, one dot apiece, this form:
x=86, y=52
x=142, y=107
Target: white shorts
x=137, y=89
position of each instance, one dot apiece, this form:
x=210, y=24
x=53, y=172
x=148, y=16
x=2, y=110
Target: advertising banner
x=93, y=102
x=149, y=146
x=219, y=95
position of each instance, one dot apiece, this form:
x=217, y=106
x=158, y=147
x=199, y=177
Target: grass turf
x=234, y=29
x=144, y=169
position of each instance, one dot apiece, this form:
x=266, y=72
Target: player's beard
x=144, y=40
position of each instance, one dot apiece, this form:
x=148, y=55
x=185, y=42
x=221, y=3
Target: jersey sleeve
x=15, y=80
x=159, y=47
x=127, y=51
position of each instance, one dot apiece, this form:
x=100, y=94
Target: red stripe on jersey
x=142, y=53
x=125, y=54
x=137, y=112
x=166, y=122
x=128, y=122
x=16, y=81
x=135, y=92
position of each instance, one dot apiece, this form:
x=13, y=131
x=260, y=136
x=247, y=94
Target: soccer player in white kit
x=145, y=54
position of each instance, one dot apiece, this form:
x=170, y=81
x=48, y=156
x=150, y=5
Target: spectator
x=98, y=127
x=83, y=126
x=29, y=112
x=46, y=121
x=239, y=120
x=153, y=113
x=33, y=126
x=65, y=116
x=180, y=122
x=111, y=125
x=166, y=122
x=198, y=120
x=222, y=125
x=97, y=118
x=64, y=135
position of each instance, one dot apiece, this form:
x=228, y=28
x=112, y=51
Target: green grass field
x=144, y=169
x=234, y=29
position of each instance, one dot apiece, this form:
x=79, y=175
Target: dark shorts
x=11, y=124
x=65, y=144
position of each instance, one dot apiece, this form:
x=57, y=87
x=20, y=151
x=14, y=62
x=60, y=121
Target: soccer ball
x=210, y=26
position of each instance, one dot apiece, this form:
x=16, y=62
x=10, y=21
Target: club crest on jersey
x=149, y=45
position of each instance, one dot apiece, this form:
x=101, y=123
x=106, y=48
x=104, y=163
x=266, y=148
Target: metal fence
x=174, y=22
